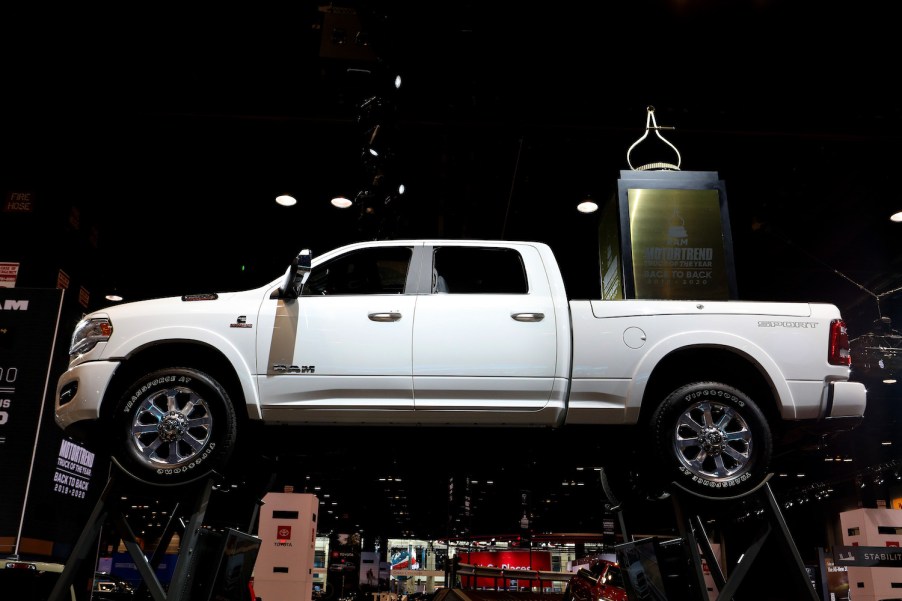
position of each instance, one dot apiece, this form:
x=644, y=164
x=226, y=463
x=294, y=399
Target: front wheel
x=173, y=426
x=713, y=439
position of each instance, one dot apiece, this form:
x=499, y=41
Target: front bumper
x=80, y=391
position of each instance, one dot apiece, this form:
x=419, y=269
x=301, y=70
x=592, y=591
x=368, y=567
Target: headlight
x=88, y=333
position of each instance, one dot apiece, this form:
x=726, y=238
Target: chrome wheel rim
x=713, y=441
x=170, y=428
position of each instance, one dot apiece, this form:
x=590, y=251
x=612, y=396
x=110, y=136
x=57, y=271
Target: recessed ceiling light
x=341, y=202
x=286, y=201
x=587, y=206
x=897, y=217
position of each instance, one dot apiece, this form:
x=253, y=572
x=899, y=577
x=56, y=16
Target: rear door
x=485, y=336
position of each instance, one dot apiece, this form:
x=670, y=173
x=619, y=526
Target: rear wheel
x=173, y=426
x=713, y=440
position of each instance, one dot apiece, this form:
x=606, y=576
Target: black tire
x=712, y=439
x=172, y=427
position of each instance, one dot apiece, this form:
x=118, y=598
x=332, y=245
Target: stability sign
x=868, y=557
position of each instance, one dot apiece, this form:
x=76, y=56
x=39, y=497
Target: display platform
x=213, y=563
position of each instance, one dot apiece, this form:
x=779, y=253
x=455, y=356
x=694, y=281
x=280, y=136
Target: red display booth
x=514, y=561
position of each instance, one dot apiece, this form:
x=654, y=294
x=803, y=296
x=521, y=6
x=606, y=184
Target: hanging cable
x=510, y=195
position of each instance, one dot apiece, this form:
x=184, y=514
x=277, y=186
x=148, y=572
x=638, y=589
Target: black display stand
x=697, y=546
x=187, y=517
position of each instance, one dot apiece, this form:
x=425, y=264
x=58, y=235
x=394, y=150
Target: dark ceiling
x=173, y=131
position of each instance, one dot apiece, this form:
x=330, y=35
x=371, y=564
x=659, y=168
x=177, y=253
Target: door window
x=380, y=270
x=470, y=270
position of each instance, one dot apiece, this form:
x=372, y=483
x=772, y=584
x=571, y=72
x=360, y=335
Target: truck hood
x=185, y=305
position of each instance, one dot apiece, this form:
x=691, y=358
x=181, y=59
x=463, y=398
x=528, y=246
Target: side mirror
x=296, y=275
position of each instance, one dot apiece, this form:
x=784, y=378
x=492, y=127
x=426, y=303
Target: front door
x=346, y=342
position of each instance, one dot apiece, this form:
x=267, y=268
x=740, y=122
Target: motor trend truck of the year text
x=450, y=333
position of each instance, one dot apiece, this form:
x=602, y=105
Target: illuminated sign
x=507, y=560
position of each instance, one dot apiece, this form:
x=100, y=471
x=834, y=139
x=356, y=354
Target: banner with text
x=28, y=327
x=868, y=557
x=678, y=244
x=50, y=482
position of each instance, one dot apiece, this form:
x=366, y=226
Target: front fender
x=236, y=356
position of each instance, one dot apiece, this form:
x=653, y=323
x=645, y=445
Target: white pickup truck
x=454, y=333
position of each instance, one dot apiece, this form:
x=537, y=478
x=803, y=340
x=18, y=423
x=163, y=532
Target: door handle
x=528, y=316
x=385, y=316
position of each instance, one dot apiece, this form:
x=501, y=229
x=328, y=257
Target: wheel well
x=709, y=364
x=177, y=354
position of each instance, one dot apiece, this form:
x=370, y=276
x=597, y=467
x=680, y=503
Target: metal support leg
x=144, y=567
x=175, y=523
x=777, y=518
x=613, y=504
x=108, y=507
x=180, y=586
x=774, y=529
x=691, y=543
x=713, y=564
x=742, y=568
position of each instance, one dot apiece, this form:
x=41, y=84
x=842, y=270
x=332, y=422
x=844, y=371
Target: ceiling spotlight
x=587, y=206
x=341, y=202
x=114, y=296
x=397, y=82
x=286, y=200
x=401, y=189
x=897, y=217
